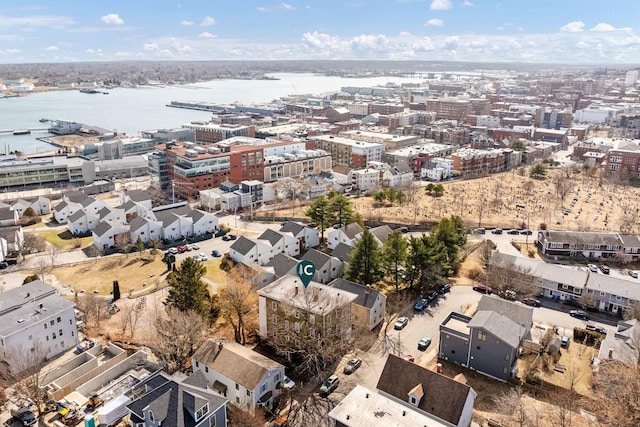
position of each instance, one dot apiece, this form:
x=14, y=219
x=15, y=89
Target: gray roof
x=614, y=286
x=137, y=222
x=87, y=201
x=343, y=252
x=195, y=215
x=243, y=245
x=319, y=259
x=382, y=232
x=582, y=237
x=271, y=236
x=292, y=227
x=19, y=307
x=623, y=345
x=236, y=362
x=138, y=195
x=76, y=215
x=521, y=314
x=443, y=397
x=6, y=214
x=572, y=276
x=630, y=240
x=8, y=232
x=4, y=205
x=352, y=230
x=102, y=228
x=60, y=206
x=75, y=196
x=128, y=205
x=282, y=264
x=365, y=299
x=169, y=216
x=500, y=326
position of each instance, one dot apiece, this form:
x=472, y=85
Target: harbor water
x=131, y=110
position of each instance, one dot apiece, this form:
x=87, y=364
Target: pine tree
x=366, y=261
x=394, y=252
x=116, y=291
x=187, y=290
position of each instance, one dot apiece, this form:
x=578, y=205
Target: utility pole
x=173, y=191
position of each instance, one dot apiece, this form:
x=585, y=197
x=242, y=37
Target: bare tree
x=587, y=301
x=175, y=336
x=25, y=366
x=312, y=328
x=290, y=188
x=43, y=268
x=508, y=276
x=513, y=407
x=480, y=207
x=95, y=309
x=123, y=243
x=485, y=251
x=562, y=410
x=632, y=311
x=52, y=253
x=239, y=299
x=617, y=386
x=563, y=186
x=32, y=243
x=129, y=316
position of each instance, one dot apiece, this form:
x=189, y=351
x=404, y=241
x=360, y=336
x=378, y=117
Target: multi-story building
x=623, y=159
x=209, y=133
x=291, y=311
x=390, y=141
x=450, y=108
x=37, y=323
x=45, y=172
x=348, y=152
x=415, y=156
x=158, y=170
x=471, y=163
x=571, y=244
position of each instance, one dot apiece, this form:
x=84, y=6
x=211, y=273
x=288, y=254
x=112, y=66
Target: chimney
x=367, y=289
x=439, y=368
x=220, y=346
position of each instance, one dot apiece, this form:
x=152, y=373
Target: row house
x=41, y=205
x=572, y=244
x=82, y=221
x=470, y=163
x=75, y=201
x=8, y=217
x=349, y=152
x=291, y=240
x=11, y=240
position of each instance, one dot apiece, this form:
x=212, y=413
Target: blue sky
x=542, y=31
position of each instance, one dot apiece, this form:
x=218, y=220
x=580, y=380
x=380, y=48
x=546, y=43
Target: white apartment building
x=35, y=322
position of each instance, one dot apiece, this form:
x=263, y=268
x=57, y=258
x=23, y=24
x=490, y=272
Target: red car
x=182, y=249
x=482, y=288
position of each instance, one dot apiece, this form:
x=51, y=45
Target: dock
x=22, y=131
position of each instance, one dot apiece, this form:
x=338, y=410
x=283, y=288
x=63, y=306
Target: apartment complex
x=349, y=152
x=45, y=172
x=210, y=133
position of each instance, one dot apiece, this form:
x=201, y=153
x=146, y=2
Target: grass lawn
x=63, y=239
x=214, y=273
x=130, y=273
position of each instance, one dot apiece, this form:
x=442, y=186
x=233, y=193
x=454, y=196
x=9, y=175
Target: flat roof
x=457, y=324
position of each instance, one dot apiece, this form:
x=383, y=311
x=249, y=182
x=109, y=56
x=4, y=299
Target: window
x=202, y=411
x=276, y=378
x=47, y=337
x=274, y=319
x=206, y=369
x=60, y=332
x=507, y=357
x=45, y=326
x=70, y=322
x=478, y=348
x=237, y=399
x=237, y=386
x=51, y=323
x=274, y=305
x=482, y=335
x=286, y=325
x=30, y=337
x=54, y=336
x=197, y=364
x=58, y=320
x=413, y=400
x=296, y=314
x=248, y=393
x=296, y=326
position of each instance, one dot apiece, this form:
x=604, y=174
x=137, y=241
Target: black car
x=496, y=231
x=421, y=304
x=216, y=253
x=579, y=314
x=513, y=231
x=531, y=302
x=226, y=237
x=432, y=296
x=3, y=265
x=232, y=236
x=443, y=289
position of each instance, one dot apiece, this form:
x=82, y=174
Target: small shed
x=554, y=346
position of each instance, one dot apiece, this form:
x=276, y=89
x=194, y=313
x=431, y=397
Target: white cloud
x=573, y=27
x=12, y=50
x=441, y=5
x=207, y=35
x=467, y=3
x=604, y=28
x=262, y=9
x=123, y=53
x=186, y=23
x=93, y=51
x=435, y=22
x=208, y=21
x=112, y=19
x=57, y=22
x=286, y=6
x=150, y=47
x=52, y=48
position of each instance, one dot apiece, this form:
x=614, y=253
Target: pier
x=23, y=131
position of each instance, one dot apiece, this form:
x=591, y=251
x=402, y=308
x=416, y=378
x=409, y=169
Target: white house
x=145, y=228
x=40, y=205
x=246, y=378
x=8, y=217
x=345, y=234
x=283, y=243
x=327, y=267
x=107, y=234
x=140, y=197
x=202, y=222
x=366, y=179
x=368, y=309
x=308, y=237
x=81, y=222
x=251, y=251
x=13, y=237
x=35, y=322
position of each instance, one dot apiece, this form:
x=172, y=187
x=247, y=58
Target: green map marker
x=306, y=270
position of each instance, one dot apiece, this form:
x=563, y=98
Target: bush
x=476, y=274
x=532, y=253
x=585, y=336
x=543, y=226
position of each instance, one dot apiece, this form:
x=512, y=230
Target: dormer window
x=202, y=412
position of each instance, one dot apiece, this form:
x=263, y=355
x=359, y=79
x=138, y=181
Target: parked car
x=312, y=225
x=173, y=251
x=421, y=304
x=329, y=385
x=188, y=246
x=633, y=274
x=478, y=287
x=404, y=230
x=443, y=289
x=432, y=296
x=481, y=230
x=531, y=301
x=3, y=265
x=409, y=358
x=203, y=257
x=496, y=231
x=288, y=383
x=592, y=267
x=604, y=268
x=226, y=237
x=513, y=231
x=595, y=328
x=352, y=365
x=579, y=314
x=197, y=257
x=401, y=323
x=195, y=246
x=526, y=232
x=424, y=343
x=508, y=294
x=564, y=341
x=232, y=236
x=182, y=249
x=216, y=253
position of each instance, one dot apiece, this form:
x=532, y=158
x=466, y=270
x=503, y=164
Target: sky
x=541, y=31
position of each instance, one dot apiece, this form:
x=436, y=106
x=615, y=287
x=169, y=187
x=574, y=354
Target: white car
x=633, y=274
x=593, y=267
x=203, y=257
x=197, y=257
x=288, y=383
x=195, y=247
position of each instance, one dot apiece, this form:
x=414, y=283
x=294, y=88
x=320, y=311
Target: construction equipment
x=69, y=414
x=94, y=402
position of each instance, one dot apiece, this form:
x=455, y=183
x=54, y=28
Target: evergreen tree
x=366, y=261
x=30, y=278
x=140, y=246
x=116, y=291
x=319, y=212
x=394, y=253
x=340, y=208
x=187, y=290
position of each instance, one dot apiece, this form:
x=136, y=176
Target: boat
x=21, y=131
x=88, y=90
